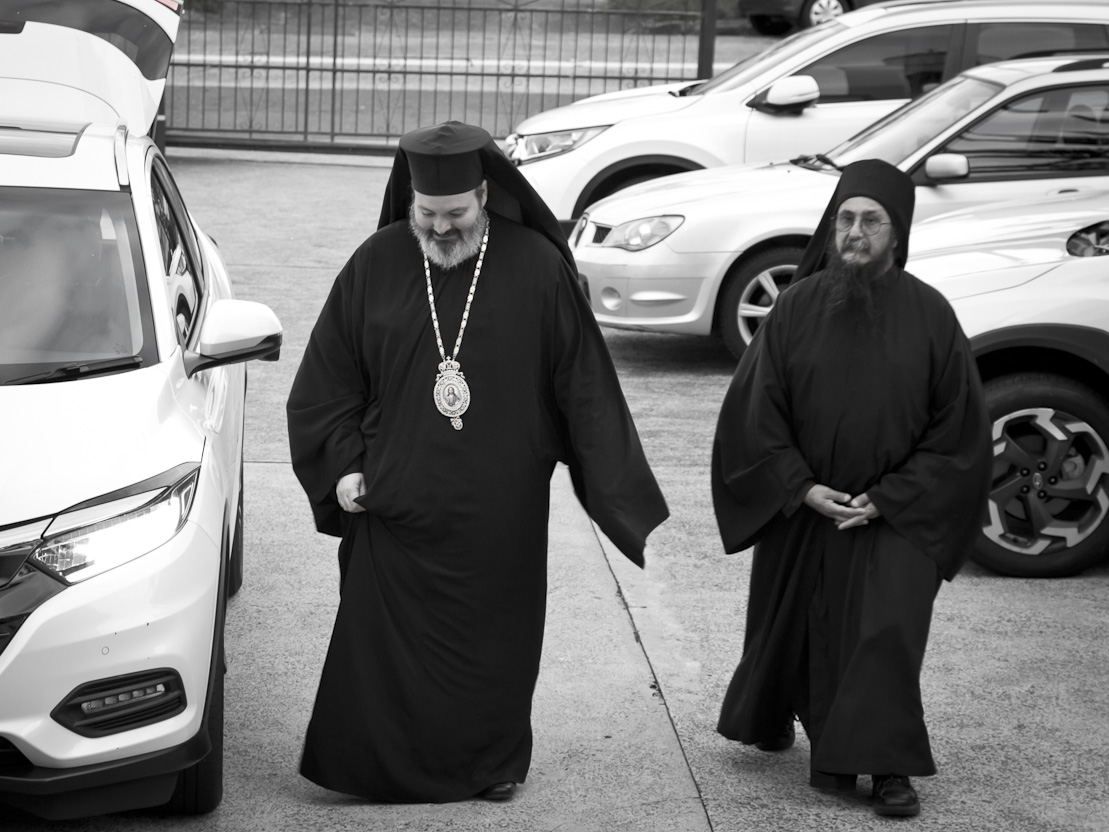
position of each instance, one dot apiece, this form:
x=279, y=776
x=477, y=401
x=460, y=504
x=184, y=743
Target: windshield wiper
x=79, y=369
x=688, y=90
x=820, y=158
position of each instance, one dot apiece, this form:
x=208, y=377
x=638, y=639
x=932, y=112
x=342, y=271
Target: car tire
x=235, y=565
x=1049, y=499
x=766, y=24
x=200, y=787
x=750, y=292
x=815, y=12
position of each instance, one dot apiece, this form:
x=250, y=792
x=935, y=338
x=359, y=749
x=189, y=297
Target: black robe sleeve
x=327, y=402
x=608, y=467
x=935, y=498
x=757, y=470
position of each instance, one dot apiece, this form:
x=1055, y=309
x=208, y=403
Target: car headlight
x=640, y=234
x=78, y=554
x=524, y=149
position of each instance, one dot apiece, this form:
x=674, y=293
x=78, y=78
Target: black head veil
x=510, y=194
x=872, y=178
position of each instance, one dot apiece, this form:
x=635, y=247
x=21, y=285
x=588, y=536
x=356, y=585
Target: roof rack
x=1084, y=64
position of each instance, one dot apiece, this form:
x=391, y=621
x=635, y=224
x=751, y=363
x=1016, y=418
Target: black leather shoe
x=781, y=742
x=499, y=791
x=894, y=796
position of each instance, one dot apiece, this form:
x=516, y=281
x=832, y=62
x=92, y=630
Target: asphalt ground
x=1016, y=682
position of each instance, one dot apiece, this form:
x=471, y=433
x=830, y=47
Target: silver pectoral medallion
x=452, y=394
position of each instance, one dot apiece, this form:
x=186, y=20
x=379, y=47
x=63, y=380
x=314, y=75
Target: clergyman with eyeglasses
x=853, y=453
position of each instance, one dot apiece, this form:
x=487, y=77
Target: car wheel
x=766, y=24
x=235, y=566
x=815, y=12
x=750, y=292
x=1049, y=499
x=200, y=787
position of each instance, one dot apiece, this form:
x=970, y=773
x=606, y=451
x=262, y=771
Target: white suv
x=122, y=388
x=805, y=94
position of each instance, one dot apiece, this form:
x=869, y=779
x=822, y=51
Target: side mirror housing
x=944, y=166
x=234, y=331
x=787, y=95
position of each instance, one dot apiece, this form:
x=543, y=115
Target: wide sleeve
x=327, y=402
x=757, y=470
x=608, y=466
x=935, y=498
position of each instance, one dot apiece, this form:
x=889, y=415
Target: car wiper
x=813, y=160
x=688, y=90
x=79, y=369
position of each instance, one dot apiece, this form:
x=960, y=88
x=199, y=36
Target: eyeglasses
x=869, y=225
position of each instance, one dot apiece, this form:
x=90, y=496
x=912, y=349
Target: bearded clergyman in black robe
x=455, y=362
x=853, y=452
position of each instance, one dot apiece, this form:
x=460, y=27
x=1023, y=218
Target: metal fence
x=357, y=74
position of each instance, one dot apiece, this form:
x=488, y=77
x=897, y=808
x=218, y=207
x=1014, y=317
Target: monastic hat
x=443, y=160
x=887, y=185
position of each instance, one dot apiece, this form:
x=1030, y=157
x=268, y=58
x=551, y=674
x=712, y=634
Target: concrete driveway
x=1016, y=683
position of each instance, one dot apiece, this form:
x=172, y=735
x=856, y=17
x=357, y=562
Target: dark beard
x=458, y=250
x=853, y=287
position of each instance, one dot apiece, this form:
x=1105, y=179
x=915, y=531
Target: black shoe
x=499, y=791
x=781, y=742
x=832, y=782
x=894, y=796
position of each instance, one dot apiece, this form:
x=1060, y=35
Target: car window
x=904, y=131
x=72, y=283
x=1000, y=41
x=894, y=65
x=1062, y=130
x=177, y=247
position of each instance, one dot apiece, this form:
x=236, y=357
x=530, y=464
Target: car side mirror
x=234, y=331
x=947, y=166
x=787, y=95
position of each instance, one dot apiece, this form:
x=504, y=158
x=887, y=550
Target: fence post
x=706, y=53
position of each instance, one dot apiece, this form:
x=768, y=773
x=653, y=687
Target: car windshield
x=72, y=284
x=905, y=130
x=740, y=73
x=126, y=28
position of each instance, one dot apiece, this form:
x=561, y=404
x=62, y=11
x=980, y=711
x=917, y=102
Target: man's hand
x=835, y=505
x=870, y=511
x=349, y=487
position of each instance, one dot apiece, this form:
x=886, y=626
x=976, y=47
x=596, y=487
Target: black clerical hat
x=443, y=160
x=887, y=185
x=509, y=194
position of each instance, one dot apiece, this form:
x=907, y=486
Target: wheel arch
x=786, y=240
x=1078, y=352
x=625, y=169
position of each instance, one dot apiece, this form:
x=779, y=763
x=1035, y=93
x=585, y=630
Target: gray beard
x=450, y=254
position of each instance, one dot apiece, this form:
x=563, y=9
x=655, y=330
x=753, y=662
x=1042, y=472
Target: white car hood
x=609, y=108
x=717, y=192
x=67, y=442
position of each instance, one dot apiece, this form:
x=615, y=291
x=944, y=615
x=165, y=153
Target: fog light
x=611, y=299
x=121, y=703
x=149, y=692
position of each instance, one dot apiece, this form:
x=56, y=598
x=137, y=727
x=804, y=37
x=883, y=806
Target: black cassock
x=426, y=690
x=837, y=621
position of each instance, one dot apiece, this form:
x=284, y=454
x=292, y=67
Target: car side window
x=177, y=247
x=1001, y=41
x=1063, y=131
x=894, y=65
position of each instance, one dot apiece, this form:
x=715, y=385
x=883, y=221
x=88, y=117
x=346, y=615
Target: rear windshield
x=127, y=29
x=72, y=283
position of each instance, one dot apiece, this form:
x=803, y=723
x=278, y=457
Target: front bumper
x=657, y=289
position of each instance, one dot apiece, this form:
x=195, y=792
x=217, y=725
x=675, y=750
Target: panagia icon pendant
x=452, y=394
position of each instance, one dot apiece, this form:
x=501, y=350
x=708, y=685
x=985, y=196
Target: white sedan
x=708, y=251
x=122, y=384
